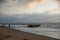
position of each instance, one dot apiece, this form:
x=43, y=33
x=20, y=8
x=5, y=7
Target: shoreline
x=13, y=34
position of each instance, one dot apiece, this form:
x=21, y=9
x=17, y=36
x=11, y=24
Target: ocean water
x=51, y=32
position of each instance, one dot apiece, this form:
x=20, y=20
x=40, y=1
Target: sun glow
x=32, y=4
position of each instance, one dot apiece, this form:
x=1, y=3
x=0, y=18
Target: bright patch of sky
x=14, y=7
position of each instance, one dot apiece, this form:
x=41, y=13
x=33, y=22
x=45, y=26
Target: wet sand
x=12, y=34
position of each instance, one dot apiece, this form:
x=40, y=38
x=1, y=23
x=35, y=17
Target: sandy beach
x=12, y=34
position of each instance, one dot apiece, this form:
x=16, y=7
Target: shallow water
x=55, y=33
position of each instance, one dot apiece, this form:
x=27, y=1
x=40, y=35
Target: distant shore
x=12, y=34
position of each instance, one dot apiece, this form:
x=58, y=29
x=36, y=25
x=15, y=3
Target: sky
x=29, y=11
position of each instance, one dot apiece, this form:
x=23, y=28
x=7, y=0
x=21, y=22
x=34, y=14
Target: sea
x=49, y=30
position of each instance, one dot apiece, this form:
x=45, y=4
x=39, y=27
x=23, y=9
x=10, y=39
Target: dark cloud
x=30, y=18
x=24, y=3
x=2, y=1
x=27, y=1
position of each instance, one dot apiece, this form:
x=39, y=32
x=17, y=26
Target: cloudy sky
x=29, y=11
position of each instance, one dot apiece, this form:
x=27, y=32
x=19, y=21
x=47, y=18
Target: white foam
x=55, y=33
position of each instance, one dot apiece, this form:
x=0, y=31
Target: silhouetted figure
x=9, y=25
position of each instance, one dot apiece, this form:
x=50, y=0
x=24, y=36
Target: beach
x=12, y=34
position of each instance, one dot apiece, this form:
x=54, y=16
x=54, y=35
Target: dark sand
x=12, y=34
